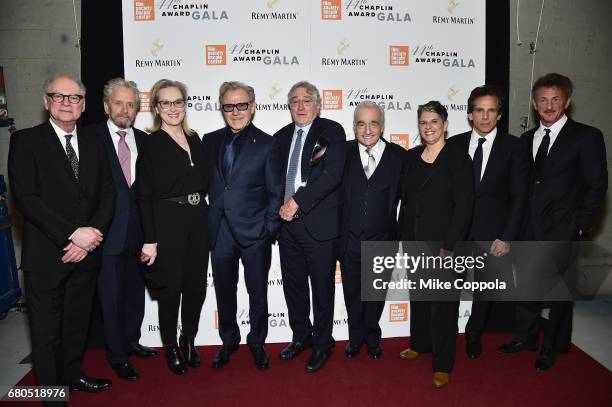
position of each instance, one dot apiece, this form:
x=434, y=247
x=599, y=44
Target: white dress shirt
x=298, y=177
x=486, y=147
x=74, y=141
x=377, y=152
x=555, y=129
x=130, y=139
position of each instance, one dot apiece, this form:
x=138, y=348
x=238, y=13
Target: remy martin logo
x=156, y=47
x=452, y=5
x=271, y=3
x=343, y=46
x=452, y=92
x=274, y=91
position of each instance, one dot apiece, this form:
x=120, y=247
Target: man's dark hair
x=486, y=90
x=553, y=80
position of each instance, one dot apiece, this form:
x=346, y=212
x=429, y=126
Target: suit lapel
x=218, y=157
x=495, y=149
x=563, y=138
x=311, y=139
x=247, y=150
x=112, y=153
x=55, y=147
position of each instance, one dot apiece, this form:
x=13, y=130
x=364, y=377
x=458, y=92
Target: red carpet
x=493, y=380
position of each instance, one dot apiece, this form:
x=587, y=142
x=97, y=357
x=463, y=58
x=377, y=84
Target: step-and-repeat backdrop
x=397, y=53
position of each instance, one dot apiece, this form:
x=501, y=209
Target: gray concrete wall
x=37, y=39
x=574, y=40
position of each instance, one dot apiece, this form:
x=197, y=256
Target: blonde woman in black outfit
x=437, y=197
x=171, y=186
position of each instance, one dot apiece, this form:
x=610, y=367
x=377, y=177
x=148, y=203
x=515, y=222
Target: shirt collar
x=305, y=128
x=376, y=148
x=556, y=127
x=61, y=132
x=113, y=128
x=490, y=136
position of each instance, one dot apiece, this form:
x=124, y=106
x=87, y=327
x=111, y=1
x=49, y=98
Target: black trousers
x=433, y=328
x=303, y=257
x=121, y=291
x=363, y=316
x=256, y=260
x=182, y=260
x=59, y=306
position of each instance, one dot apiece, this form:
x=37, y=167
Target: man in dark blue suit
x=568, y=181
x=121, y=288
x=371, y=184
x=312, y=152
x=244, y=195
x=500, y=185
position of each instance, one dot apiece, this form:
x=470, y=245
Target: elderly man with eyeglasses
x=244, y=194
x=62, y=184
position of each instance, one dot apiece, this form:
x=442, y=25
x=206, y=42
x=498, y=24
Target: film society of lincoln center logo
x=144, y=10
x=398, y=312
x=216, y=54
x=332, y=99
x=402, y=140
x=399, y=55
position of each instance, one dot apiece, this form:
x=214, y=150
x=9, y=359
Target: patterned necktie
x=542, y=153
x=477, y=162
x=293, y=166
x=229, y=156
x=72, y=157
x=371, y=165
x=125, y=157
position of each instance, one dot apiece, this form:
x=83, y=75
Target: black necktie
x=72, y=157
x=229, y=156
x=477, y=162
x=542, y=153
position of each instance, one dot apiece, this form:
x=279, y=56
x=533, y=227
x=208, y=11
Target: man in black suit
x=567, y=186
x=121, y=288
x=312, y=154
x=244, y=195
x=371, y=183
x=62, y=184
x=500, y=185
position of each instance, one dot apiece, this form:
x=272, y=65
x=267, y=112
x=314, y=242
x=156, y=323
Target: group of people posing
x=151, y=207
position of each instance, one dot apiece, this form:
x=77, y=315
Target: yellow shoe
x=440, y=379
x=409, y=354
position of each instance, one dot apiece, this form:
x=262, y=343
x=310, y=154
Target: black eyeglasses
x=59, y=98
x=229, y=107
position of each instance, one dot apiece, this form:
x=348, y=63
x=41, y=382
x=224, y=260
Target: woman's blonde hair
x=162, y=84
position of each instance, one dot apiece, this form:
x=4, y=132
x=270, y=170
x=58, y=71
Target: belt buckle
x=193, y=199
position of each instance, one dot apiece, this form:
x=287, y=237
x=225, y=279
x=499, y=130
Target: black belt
x=191, y=199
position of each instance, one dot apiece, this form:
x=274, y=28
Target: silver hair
x=53, y=78
x=310, y=89
x=234, y=85
x=368, y=104
x=115, y=83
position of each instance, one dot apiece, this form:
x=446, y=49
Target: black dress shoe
x=260, y=357
x=222, y=357
x=90, y=384
x=317, y=360
x=375, y=352
x=125, y=371
x=187, y=344
x=473, y=347
x=350, y=350
x=292, y=350
x=175, y=360
x=546, y=360
x=518, y=345
x=143, y=351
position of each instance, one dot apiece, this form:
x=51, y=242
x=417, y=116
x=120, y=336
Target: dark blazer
x=439, y=209
x=251, y=198
x=383, y=193
x=571, y=190
x=499, y=202
x=52, y=202
x=125, y=231
x=320, y=200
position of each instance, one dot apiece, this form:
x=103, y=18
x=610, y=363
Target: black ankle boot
x=189, y=351
x=175, y=360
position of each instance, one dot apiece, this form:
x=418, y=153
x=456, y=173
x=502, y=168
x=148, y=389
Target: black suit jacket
x=565, y=199
x=439, y=208
x=251, y=198
x=382, y=197
x=499, y=202
x=320, y=200
x=52, y=202
x=125, y=232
